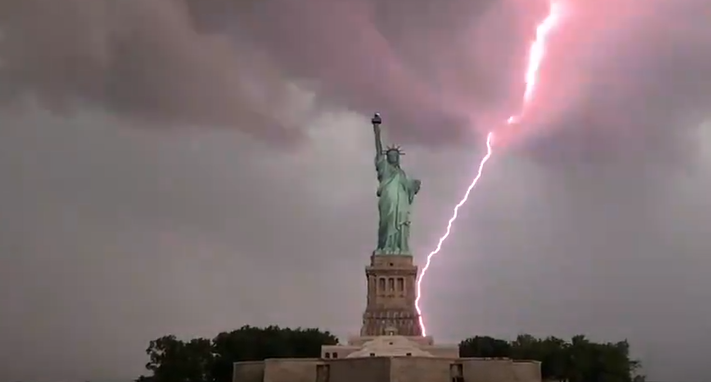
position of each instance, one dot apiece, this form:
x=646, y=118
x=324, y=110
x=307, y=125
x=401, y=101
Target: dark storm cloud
x=142, y=60
x=430, y=69
x=624, y=84
x=594, y=221
x=614, y=79
x=225, y=63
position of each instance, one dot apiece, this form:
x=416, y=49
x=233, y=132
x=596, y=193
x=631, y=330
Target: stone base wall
x=388, y=369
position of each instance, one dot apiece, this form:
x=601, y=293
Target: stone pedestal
x=392, y=289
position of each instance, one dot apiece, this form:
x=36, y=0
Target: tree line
x=210, y=360
x=577, y=360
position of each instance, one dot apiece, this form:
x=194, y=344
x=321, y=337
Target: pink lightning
x=535, y=57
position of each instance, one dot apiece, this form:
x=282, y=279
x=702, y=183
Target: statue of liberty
x=396, y=192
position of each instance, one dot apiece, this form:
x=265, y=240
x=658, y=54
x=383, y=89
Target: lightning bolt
x=535, y=57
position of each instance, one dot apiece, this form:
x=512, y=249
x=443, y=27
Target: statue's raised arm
x=376, y=121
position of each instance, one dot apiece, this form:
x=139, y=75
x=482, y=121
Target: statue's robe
x=396, y=193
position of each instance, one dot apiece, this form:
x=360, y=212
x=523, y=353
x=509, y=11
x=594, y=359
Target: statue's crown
x=394, y=148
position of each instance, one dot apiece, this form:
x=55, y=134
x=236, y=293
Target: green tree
x=577, y=360
x=526, y=346
x=255, y=344
x=173, y=360
x=204, y=360
x=486, y=347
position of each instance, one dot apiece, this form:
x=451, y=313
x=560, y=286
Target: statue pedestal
x=392, y=290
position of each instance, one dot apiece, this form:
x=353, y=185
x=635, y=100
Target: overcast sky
x=177, y=167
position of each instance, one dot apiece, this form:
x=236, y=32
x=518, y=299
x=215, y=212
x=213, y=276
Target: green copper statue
x=396, y=193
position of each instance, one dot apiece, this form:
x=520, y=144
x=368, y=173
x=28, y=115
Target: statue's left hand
x=417, y=183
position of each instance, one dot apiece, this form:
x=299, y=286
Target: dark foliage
x=577, y=360
x=205, y=360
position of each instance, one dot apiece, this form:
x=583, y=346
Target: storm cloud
x=439, y=72
x=187, y=167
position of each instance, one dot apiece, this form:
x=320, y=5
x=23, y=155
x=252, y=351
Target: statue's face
x=393, y=157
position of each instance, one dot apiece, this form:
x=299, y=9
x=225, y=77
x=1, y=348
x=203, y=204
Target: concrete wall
x=489, y=370
x=443, y=351
x=386, y=369
x=527, y=371
x=290, y=370
x=248, y=371
x=422, y=341
x=342, y=351
x=371, y=369
x=419, y=369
